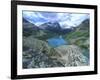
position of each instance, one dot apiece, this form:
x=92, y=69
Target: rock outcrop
x=71, y=55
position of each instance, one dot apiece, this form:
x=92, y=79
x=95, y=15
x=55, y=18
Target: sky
x=66, y=20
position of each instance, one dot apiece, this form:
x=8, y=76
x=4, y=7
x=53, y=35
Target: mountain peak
x=51, y=26
x=25, y=21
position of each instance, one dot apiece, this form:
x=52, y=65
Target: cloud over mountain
x=66, y=20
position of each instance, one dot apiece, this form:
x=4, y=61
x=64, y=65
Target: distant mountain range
x=54, y=27
x=50, y=26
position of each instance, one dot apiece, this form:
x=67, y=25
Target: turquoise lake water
x=55, y=42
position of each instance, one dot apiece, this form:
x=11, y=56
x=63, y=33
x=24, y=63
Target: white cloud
x=75, y=20
x=66, y=20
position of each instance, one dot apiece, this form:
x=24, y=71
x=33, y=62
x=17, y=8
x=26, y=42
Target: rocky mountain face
x=29, y=28
x=51, y=26
x=55, y=27
x=84, y=25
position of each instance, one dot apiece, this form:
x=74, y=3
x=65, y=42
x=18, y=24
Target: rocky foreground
x=38, y=54
x=71, y=55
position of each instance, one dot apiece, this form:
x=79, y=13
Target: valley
x=48, y=45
